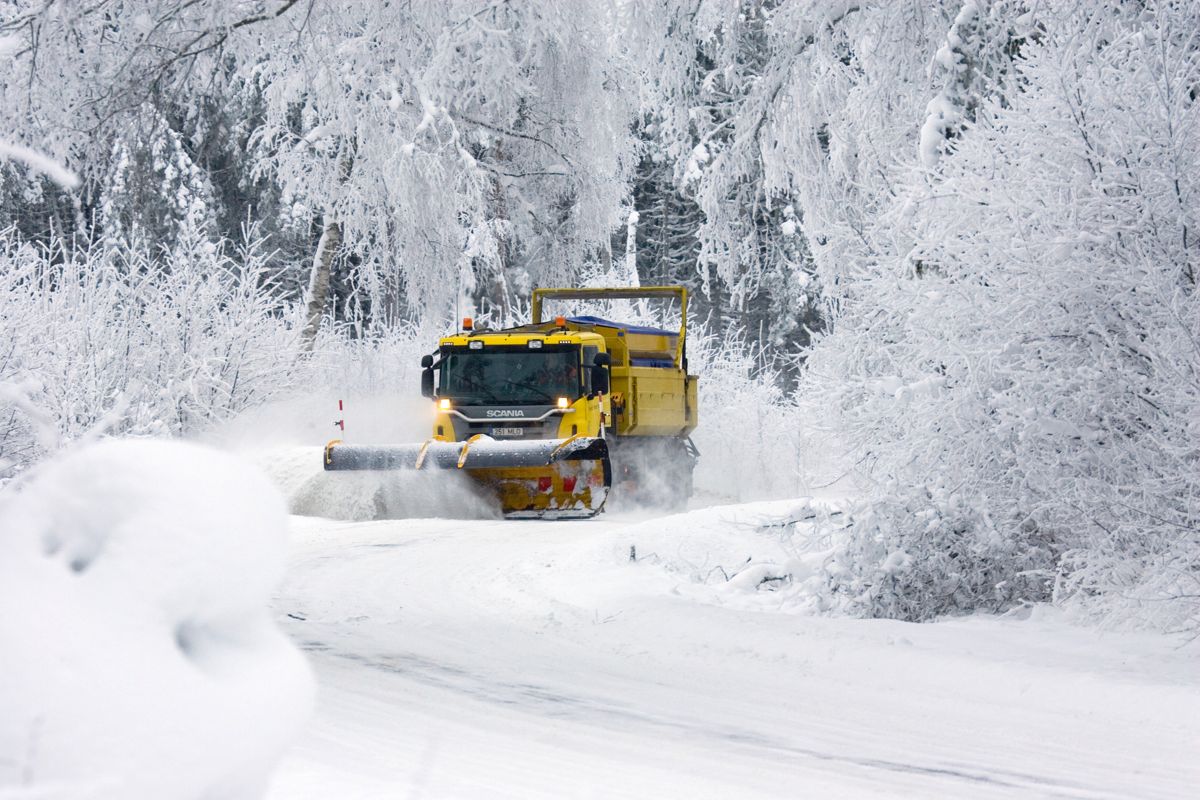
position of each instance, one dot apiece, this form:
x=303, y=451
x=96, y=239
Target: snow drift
x=138, y=657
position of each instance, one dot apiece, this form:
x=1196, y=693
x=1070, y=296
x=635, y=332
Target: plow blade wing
x=550, y=478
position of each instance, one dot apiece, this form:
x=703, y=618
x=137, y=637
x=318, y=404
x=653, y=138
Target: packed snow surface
x=138, y=655
x=498, y=659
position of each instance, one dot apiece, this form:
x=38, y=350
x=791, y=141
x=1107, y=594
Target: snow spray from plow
x=549, y=478
x=371, y=495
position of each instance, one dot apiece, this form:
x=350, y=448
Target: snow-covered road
x=486, y=658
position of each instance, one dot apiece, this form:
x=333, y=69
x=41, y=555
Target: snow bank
x=137, y=653
x=756, y=556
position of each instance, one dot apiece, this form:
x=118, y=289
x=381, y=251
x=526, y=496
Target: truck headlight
x=444, y=404
x=563, y=402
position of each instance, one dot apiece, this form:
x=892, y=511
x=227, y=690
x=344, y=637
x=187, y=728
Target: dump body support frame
x=631, y=293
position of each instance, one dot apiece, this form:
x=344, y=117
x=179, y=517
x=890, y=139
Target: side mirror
x=599, y=379
x=600, y=363
x=427, y=381
x=426, y=361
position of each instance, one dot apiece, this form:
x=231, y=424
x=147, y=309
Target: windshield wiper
x=549, y=398
x=483, y=392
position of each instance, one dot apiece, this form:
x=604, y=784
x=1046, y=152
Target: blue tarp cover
x=622, y=326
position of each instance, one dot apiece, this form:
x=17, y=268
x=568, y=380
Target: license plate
x=508, y=431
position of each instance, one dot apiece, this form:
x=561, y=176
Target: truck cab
x=571, y=377
x=519, y=384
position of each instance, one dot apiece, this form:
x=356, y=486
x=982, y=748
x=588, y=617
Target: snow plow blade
x=547, y=478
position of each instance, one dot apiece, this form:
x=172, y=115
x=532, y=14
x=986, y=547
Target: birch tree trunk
x=318, y=283
x=631, y=270
x=322, y=268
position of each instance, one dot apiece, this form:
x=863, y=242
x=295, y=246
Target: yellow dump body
x=652, y=394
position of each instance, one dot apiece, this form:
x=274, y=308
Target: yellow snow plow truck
x=549, y=416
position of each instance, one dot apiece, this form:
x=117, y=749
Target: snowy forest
x=947, y=249
x=942, y=261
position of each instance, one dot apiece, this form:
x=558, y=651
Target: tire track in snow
x=507, y=657
x=544, y=701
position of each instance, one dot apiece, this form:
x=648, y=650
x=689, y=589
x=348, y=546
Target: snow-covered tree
x=97, y=341
x=1020, y=381
x=139, y=100
x=153, y=191
x=784, y=120
x=455, y=148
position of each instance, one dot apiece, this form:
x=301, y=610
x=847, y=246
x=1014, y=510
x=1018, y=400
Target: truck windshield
x=510, y=375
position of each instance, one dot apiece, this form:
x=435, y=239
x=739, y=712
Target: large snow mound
x=138, y=657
